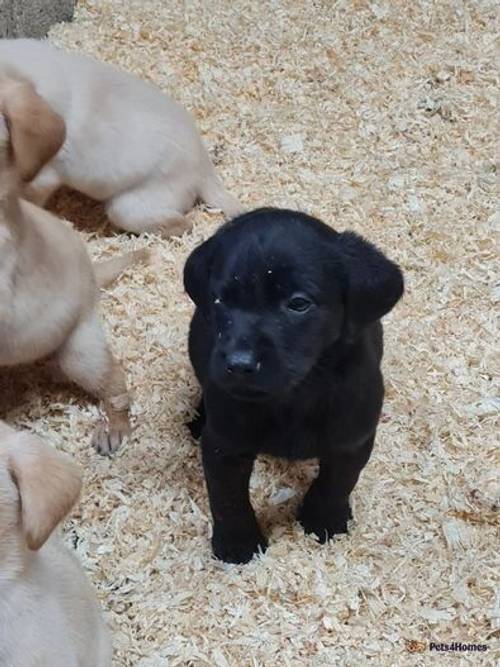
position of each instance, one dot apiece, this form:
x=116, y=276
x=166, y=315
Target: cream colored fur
x=48, y=288
x=127, y=143
x=49, y=616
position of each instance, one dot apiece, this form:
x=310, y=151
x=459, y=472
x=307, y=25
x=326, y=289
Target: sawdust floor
x=375, y=116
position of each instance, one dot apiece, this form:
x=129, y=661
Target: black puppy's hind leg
x=326, y=510
x=198, y=421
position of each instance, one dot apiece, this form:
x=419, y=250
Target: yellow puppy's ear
x=49, y=484
x=36, y=131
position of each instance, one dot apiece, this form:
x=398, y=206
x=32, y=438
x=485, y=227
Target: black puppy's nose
x=242, y=363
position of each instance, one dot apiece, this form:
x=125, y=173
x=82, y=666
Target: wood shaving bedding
x=378, y=117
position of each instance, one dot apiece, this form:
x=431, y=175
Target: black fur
x=286, y=342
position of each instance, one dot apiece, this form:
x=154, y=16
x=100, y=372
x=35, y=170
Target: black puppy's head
x=278, y=288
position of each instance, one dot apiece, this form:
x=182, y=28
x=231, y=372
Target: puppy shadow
x=29, y=389
x=85, y=213
x=290, y=481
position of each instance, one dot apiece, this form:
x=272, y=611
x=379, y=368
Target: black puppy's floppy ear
x=373, y=286
x=197, y=273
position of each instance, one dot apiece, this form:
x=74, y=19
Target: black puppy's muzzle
x=242, y=363
x=241, y=375
x=241, y=372
x=244, y=359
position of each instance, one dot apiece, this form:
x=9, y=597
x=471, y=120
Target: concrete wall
x=32, y=18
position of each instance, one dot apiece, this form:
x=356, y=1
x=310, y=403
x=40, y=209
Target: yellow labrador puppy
x=48, y=285
x=127, y=143
x=49, y=616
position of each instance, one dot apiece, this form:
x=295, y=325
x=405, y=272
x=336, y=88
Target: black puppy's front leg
x=325, y=510
x=236, y=533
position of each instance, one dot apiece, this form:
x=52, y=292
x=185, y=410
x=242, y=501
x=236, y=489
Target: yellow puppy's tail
x=213, y=192
x=108, y=271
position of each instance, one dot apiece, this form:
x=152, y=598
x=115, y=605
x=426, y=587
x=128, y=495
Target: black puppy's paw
x=325, y=524
x=237, y=548
x=198, y=422
x=195, y=427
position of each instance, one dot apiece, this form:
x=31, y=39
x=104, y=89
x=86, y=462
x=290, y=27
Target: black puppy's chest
x=296, y=438
x=278, y=430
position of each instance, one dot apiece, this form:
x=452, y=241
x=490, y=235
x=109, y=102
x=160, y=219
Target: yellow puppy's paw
x=106, y=439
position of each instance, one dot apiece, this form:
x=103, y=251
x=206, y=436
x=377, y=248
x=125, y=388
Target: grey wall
x=32, y=18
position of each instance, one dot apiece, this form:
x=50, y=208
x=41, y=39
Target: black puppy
x=286, y=343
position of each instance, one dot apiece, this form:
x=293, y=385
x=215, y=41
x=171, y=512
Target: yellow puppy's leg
x=41, y=188
x=150, y=210
x=86, y=359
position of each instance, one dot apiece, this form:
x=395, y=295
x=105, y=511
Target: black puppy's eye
x=299, y=304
